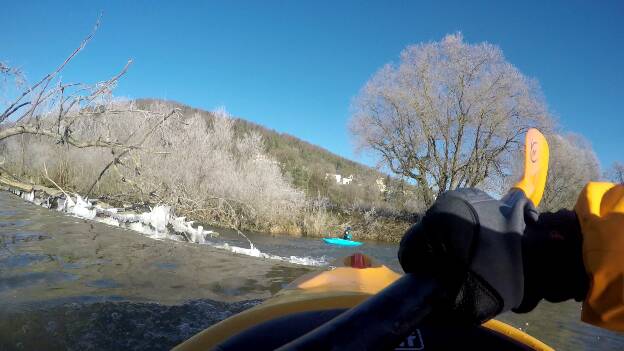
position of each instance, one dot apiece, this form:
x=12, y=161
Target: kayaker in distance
x=347, y=234
x=569, y=254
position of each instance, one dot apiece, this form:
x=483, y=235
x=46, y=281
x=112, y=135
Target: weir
x=157, y=223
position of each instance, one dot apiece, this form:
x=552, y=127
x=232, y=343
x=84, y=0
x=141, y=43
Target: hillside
x=312, y=169
x=215, y=170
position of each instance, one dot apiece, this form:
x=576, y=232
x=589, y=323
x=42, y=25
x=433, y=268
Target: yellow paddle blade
x=535, y=166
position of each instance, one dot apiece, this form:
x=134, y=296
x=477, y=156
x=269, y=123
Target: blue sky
x=295, y=66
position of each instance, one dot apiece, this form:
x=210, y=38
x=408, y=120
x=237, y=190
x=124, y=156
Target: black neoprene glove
x=553, y=260
x=493, y=257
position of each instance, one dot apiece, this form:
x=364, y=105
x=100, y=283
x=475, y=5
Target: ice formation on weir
x=158, y=218
x=29, y=196
x=81, y=208
x=158, y=223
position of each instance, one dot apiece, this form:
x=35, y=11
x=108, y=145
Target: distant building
x=339, y=178
x=347, y=180
x=381, y=185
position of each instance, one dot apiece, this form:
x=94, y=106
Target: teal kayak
x=341, y=242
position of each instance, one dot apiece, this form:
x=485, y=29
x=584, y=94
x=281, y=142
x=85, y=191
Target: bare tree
x=211, y=171
x=572, y=164
x=202, y=169
x=52, y=108
x=616, y=172
x=449, y=115
x=99, y=145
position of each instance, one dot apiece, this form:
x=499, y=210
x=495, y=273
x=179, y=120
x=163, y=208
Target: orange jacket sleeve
x=600, y=209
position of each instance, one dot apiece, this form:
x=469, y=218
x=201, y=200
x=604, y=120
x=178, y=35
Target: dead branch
x=54, y=183
x=49, y=77
x=74, y=101
x=135, y=147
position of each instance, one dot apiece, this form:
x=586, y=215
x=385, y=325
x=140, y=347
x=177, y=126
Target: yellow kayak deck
x=353, y=281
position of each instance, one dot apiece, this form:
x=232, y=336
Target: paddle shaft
x=381, y=322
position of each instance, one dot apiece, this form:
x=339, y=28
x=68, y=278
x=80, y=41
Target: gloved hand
x=553, y=260
x=493, y=257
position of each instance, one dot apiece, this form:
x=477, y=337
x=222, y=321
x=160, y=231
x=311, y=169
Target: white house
x=347, y=180
x=339, y=178
x=381, y=185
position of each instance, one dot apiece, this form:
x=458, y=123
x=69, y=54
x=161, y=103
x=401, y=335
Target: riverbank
x=215, y=170
x=155, y=219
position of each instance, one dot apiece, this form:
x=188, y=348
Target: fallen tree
x=52, y=108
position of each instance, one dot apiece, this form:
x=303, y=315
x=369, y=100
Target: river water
x=70, y=283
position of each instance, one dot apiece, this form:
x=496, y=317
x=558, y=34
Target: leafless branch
x=448, y=115
x=126, y=150
x=47, y=78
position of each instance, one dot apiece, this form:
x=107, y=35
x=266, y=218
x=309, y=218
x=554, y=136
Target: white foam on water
x=309, y=261
x=254, y=252
x=155, y=224
x=107, y=220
